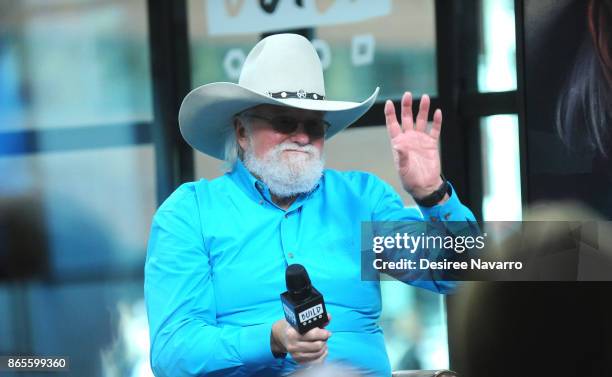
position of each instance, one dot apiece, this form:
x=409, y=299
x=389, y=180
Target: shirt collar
x=247, y=181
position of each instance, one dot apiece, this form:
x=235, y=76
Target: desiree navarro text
x=425, y=264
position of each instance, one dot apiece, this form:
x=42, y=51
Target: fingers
x=407, y=122
x=302, y=346
x=322, y=357
x=311, y=357
x=393, y=126
x=421, y=121
x=437, y=124
x=316, y=334
x=310, y=347
x=313, y=335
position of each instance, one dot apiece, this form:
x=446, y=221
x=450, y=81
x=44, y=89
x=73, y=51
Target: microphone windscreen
x=297, y=279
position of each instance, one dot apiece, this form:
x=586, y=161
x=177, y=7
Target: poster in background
x=230, y=17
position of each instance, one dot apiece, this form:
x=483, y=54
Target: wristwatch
x=435, y=197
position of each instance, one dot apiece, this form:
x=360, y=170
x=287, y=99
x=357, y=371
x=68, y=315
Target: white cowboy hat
x=282, y=69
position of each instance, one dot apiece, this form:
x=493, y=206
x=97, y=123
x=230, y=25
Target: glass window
x=365, y=149
x=6, y=316
x=396, y=51
x=414, y=322
x=74, y=222
x=90, y=323
x=497, y=59
x=95, y=206
x=219, y=57
x=73, y=63
x=501, y=168
x=207, y=167
x=389, y=43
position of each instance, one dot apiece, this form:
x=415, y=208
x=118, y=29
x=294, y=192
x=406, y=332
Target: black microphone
x=303, y=304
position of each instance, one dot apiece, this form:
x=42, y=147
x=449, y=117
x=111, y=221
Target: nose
x=300, y=136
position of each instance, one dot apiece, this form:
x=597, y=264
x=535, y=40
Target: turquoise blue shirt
x=216, y=262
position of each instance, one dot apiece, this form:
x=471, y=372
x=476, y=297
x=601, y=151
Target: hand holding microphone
x=301, y=333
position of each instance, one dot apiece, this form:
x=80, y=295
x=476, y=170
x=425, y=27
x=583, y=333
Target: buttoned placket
x=289, y=222
x=288, y=225
x=288, y=234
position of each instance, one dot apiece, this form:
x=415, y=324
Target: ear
x=241, y=133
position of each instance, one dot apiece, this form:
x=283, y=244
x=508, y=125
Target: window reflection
x=414, y=323
x=73, y=63
x=497, y=59
x=95, y=206
x=395, y=51
x=86, y=322
x=501, y=168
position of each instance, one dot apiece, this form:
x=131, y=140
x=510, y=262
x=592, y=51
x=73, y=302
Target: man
x=219, y=249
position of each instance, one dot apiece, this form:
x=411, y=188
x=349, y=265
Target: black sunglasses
x=315, y=128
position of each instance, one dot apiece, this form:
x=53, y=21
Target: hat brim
x=205, y=116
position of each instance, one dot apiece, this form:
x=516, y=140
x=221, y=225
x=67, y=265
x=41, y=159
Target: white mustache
x=296, y=147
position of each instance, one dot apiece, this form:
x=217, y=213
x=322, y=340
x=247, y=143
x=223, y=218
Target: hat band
x=301, y=94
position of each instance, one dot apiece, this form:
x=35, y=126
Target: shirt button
x=261, y=202
x=290, y=255
x=286, y=215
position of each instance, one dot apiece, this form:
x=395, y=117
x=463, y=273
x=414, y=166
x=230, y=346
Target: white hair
x=232, y=150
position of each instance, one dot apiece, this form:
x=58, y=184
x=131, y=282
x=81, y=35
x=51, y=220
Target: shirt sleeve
x=389, y=207
x=452, y=216
x=186, y=339
x=451, y=210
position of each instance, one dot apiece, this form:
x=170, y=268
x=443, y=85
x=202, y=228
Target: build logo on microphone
x=311, y=313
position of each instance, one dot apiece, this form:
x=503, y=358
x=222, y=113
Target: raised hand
x=415, y=151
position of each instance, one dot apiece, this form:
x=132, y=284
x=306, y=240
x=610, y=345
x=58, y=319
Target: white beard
x=286, y=174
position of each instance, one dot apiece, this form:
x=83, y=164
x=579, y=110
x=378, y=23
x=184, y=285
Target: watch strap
x=436, y=196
